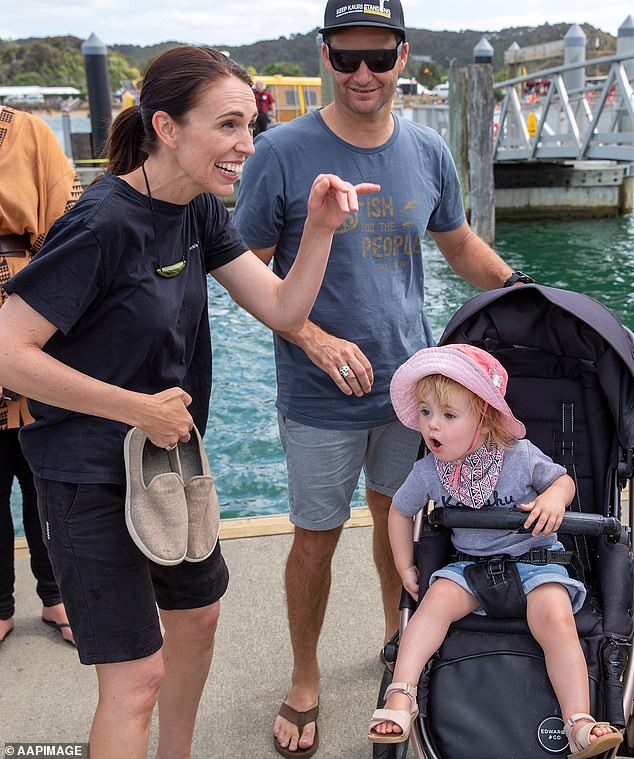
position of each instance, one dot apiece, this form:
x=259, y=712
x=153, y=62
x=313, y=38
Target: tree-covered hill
x=58, y=60
x=55, y=62
x=445, y=47
x=442, y=47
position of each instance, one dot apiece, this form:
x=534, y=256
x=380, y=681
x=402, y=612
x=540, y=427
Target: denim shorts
x=324, y=467
x=109, y=588
x=531, y=576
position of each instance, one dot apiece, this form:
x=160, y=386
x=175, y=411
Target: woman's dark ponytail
x=126, y=142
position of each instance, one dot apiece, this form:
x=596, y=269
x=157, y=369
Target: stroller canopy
x=562, y=323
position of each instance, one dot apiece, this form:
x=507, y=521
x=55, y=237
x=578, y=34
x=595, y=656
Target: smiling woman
x=107, y=329
x=205, y=114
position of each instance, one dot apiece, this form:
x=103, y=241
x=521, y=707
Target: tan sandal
x=400, y=717
x=580, y=745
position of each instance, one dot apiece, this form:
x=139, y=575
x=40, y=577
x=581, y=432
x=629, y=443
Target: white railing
x=596, y=122
x=434, y=115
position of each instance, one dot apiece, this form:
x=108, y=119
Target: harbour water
x=595, y=257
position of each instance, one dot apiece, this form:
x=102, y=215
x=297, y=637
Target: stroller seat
x=486, y=694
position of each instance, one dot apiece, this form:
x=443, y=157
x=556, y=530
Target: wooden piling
x=471, y=105
x=480, y=128
x=458, y=132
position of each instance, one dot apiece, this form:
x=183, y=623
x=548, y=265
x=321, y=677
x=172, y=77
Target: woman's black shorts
x=109, y=588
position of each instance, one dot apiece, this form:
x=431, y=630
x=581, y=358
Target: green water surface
x=594, y=257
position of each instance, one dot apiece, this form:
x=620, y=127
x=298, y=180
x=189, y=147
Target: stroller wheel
x=627, y=748
x=389, y=652
x=387, y=750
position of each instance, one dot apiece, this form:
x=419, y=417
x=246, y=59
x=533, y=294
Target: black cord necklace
x=172, y=270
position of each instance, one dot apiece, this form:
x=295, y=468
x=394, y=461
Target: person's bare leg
x=127, y=694
x=444, y=603
x=389, y=579
x=552, y=624
x=188, y=646
x=57, y=614
x=6, y=625
x=308, y=575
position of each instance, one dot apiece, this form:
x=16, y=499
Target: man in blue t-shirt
x=333, y=375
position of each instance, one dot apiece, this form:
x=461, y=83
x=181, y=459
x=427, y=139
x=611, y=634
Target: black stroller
x=486, y=693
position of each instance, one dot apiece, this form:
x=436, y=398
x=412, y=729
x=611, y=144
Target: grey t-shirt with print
x=526, y=472
x=373, y=292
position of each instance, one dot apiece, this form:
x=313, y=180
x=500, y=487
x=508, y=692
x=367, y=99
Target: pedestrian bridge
x=595, y=122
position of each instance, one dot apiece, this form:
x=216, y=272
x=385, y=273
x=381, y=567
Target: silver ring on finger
x=344, y=370
x=170, y=447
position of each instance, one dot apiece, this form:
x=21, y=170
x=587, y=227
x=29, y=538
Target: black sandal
x=59, y=626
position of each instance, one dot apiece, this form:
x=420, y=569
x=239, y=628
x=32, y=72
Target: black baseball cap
x=384, y=14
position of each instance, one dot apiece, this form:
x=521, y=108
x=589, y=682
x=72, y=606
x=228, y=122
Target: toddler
x=478, y=458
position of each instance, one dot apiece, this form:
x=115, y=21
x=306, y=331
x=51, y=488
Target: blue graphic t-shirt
x=373, y=290
x=525, y=473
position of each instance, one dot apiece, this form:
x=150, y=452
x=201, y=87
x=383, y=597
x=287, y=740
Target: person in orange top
x=43, y=186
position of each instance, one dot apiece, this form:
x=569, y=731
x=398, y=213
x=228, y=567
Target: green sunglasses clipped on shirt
x=172, y=270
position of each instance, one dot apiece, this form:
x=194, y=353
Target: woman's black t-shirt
x=119, y=321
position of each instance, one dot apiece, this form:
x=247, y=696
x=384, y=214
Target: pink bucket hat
x=472, y=367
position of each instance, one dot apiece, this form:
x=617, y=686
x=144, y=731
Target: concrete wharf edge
x=46, y=695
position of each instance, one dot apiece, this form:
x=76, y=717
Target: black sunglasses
x=378, y=61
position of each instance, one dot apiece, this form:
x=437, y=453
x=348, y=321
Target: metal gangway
x=593, y=122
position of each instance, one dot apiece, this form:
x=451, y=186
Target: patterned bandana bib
x=472, y=480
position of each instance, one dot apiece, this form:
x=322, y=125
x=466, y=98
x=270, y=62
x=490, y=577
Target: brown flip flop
x=59, y=626
x=300, y=719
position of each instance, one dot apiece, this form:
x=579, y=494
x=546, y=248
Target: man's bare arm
x=471, y=258
x=328, y=352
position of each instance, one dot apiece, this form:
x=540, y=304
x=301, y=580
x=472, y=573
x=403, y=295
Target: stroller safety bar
x=513, y=519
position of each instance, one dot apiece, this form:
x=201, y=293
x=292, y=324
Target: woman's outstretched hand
x=332, y=199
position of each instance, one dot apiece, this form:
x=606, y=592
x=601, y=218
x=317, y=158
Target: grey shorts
x=324, y=467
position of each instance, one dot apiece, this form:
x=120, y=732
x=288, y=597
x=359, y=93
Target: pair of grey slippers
x=171, y=505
